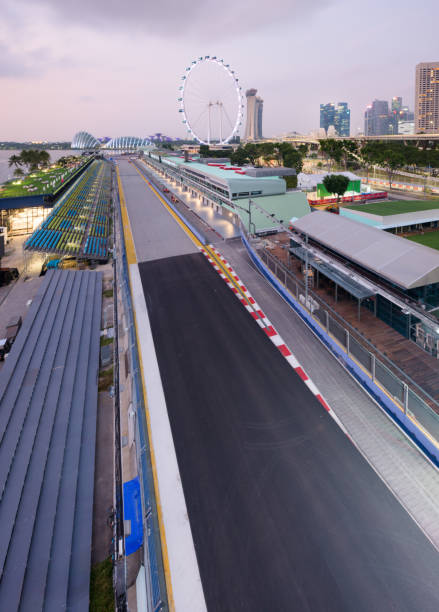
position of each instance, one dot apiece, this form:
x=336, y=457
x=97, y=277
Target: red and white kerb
x=255, y=311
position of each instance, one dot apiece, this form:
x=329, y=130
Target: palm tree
x=15, y=160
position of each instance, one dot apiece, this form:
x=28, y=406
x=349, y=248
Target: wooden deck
x=410, y=358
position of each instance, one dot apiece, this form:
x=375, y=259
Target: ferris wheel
x=211, y=102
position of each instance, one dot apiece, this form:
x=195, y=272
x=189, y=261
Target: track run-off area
x=264, y=502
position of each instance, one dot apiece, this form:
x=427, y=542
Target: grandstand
x=48, y=404
x=79, y=224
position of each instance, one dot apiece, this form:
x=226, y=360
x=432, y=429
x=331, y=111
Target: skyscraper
x=401, y=117
x=343, y=119
x=260, y=107
x=377, y=119
x=255, y=106
x=396, y=104
x=338, y=116
x=427, y=98
x=327, y=115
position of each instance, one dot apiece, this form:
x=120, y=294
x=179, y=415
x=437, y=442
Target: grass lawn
x=101, y=587
x=430, y=239
x=396, y=207
x=37, y=183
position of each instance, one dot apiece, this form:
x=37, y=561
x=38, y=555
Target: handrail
x=354, y=332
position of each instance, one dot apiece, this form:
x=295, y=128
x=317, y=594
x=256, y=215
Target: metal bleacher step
x=39, y=550
x=32, y=448
x=59, y=569
x=84, y=506
x=32, y=325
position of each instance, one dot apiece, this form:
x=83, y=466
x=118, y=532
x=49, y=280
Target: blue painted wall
x=132, y=511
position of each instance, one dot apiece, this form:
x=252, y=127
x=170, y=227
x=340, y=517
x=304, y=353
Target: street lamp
x=250, y=222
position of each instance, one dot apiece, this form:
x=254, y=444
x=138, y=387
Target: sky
x=113, y=67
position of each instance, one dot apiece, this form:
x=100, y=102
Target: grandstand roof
x=400, y=261
x=48, y=402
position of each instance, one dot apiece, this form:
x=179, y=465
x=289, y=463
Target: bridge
x=417, y=139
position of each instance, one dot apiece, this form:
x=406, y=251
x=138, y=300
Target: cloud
x=21, y=65
x=205, y=19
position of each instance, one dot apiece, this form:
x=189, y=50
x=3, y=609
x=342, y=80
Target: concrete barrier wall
x=405, y=422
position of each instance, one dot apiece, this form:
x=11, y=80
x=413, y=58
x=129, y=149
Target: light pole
x=250, y=222
x=306, y=271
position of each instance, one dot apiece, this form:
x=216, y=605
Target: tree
x=332, y=149
x=204, y=150
x=252, y=152
x=18, y=172
x=44, y=159
x=336, y=183
x=349, y=152
x=392, y=161
x=34, y=159
x=369, y=156
x=239, y=157
x=291, y=181
x=303, y=149
x=293, y=159
x=15, y=160
x=268, y=152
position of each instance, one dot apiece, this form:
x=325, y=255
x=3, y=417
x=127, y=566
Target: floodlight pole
x=306, y=271
x=250, y=222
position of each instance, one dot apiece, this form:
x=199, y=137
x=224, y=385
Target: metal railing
x=152, y=551
x=405, y=392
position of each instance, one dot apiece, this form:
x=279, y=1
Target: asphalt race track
x=286, y=515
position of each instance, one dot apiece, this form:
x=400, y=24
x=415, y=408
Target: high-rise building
x=401, y=117
x=343, y=119
x=405, y=114
x=255, y=106
x=327, y=115
x=260, y=108
x=396, y=104
x=378, y=121
x=338, y=116
x=427, y=98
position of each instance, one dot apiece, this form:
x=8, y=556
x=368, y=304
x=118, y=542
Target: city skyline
x=64, y=70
